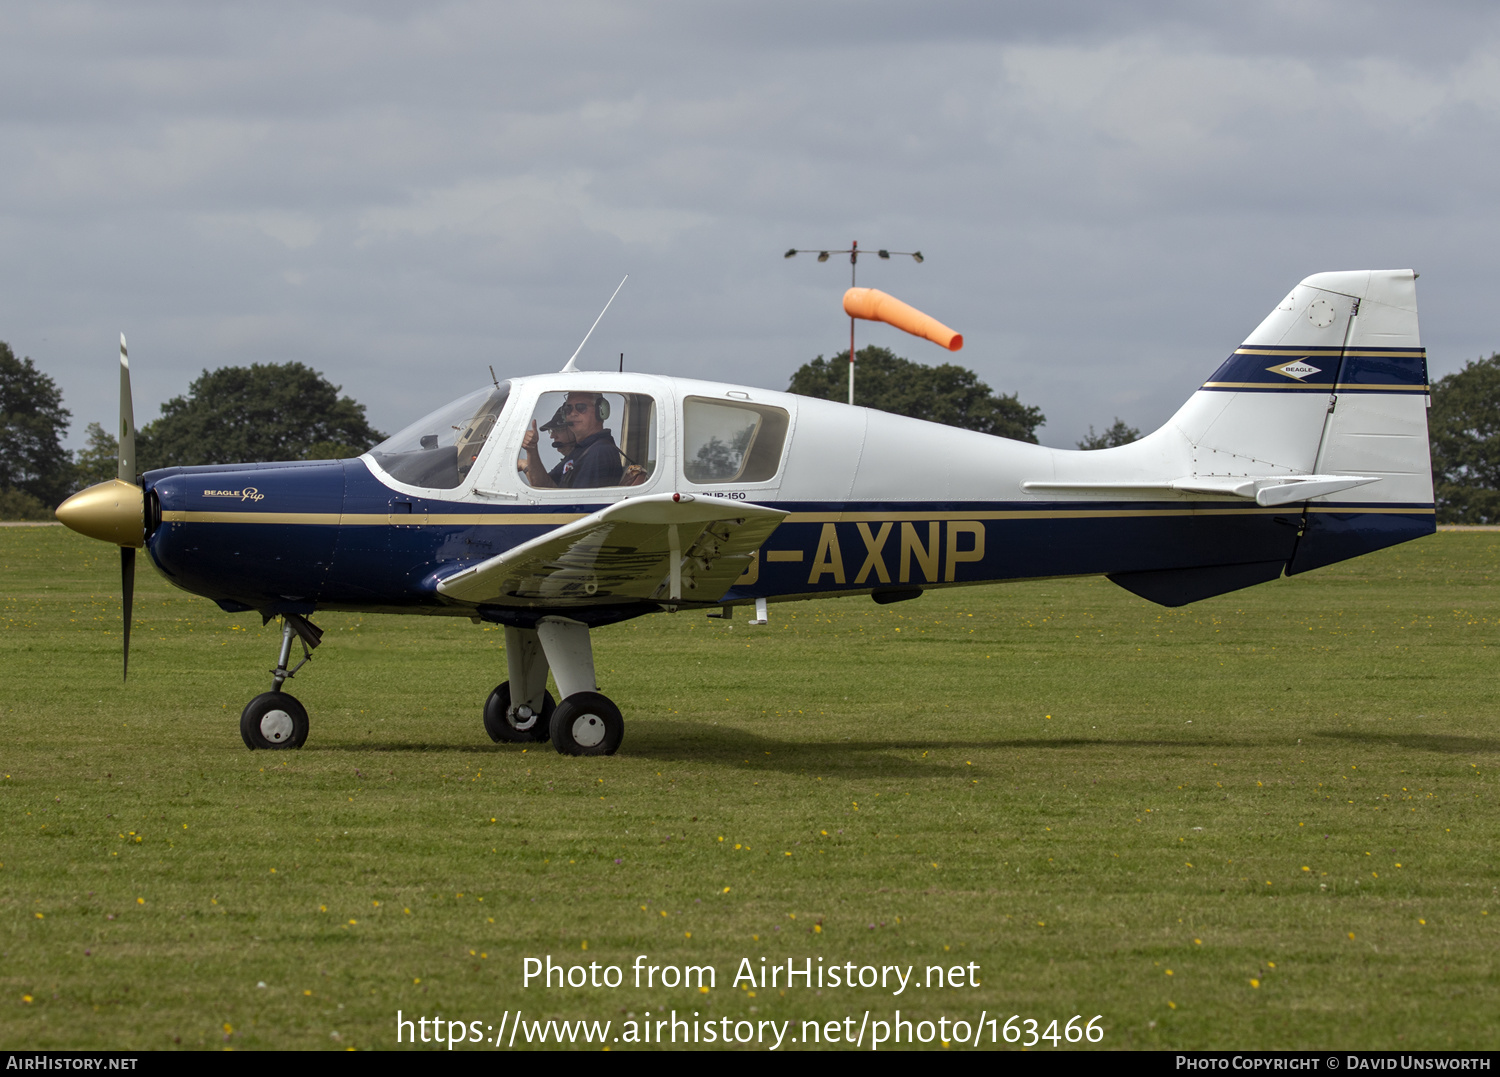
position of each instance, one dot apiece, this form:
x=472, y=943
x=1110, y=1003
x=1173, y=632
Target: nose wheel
x=274, y=719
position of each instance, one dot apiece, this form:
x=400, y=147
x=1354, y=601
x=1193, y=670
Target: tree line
x=266, y=411
x=946, y=393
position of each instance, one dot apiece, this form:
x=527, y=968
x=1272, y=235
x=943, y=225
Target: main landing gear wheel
x=519, y=728
x=586, y=723
x=273, y=720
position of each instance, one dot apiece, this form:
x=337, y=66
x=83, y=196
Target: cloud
x=1110, y=195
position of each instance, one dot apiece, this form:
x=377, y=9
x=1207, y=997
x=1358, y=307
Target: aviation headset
x=560, y=416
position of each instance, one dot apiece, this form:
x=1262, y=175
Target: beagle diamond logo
x=1297, y=369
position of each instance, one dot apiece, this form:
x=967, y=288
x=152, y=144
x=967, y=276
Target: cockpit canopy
x=438, y=450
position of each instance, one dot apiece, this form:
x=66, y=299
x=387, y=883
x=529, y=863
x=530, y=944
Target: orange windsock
x=874, y=305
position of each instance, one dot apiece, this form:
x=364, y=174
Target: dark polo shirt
x=594, y=461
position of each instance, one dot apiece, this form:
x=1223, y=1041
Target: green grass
x=1108, y=807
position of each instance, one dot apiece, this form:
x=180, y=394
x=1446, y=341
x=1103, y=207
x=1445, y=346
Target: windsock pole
x=853, y=269
x=853, y=253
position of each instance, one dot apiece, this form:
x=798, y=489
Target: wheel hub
x=524, y=718
x=276, y=726
x=588, y=730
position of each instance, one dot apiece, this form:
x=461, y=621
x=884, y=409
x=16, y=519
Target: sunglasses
x=579, y=406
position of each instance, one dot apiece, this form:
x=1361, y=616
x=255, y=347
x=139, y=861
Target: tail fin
x=1315, y=430
x=1332, y=383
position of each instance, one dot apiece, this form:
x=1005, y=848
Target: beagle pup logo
x=249, y=493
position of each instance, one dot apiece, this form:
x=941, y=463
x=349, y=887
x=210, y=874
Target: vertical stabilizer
x=1332, y=382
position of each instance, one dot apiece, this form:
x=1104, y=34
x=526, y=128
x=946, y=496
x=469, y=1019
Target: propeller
x=127, y=594
x=125, y=472
x=115, y=511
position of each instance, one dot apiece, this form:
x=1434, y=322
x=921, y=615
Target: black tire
x=587, y=723
x=502, y=726
x=273, y=720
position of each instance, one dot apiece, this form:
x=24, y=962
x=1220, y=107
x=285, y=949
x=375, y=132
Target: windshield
x=438, y=450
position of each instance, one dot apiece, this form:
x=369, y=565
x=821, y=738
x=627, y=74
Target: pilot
x=594, y=458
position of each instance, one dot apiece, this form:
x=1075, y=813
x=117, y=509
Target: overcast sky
x=1109, y=195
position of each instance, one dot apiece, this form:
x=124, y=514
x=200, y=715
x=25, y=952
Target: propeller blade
x=126, y=470
x=127, y=592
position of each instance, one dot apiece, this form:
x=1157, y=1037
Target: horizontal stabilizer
x=660, y=548
x=1267, y=491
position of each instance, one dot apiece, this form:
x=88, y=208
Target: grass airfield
x=1267, y=820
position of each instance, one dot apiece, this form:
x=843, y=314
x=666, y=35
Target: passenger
x=563, y=442
x=594, y=458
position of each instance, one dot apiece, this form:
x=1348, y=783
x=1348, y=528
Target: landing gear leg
x=585, y=722
x=520, y=709
x=275, y=719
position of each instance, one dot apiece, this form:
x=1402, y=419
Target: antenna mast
x=572, y=363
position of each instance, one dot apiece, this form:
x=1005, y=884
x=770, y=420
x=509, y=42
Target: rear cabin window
x=731, y=441
x=588, y=440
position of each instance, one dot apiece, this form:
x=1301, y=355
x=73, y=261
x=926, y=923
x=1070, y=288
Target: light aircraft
x=1307, y=446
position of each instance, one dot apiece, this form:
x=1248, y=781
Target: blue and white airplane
x=1307, y=446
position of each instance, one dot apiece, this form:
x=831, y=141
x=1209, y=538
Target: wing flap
x=663, y=548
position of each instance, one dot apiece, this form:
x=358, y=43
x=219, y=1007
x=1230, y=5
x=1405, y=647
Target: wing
x=660, y=548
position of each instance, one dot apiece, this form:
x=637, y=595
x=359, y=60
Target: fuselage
x=875, y=503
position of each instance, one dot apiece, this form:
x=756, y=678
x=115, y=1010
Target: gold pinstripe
x=1064, y=514
x=1333, y=353
x=1313, y=386
x=1350, y=508
x=327, y=519
x=368, y=519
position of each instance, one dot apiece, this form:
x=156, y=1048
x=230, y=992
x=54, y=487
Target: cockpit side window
x=438, y=451
x=586, y=439
x=731, y=441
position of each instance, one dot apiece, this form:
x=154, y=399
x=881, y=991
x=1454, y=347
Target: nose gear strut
x=309, y=634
